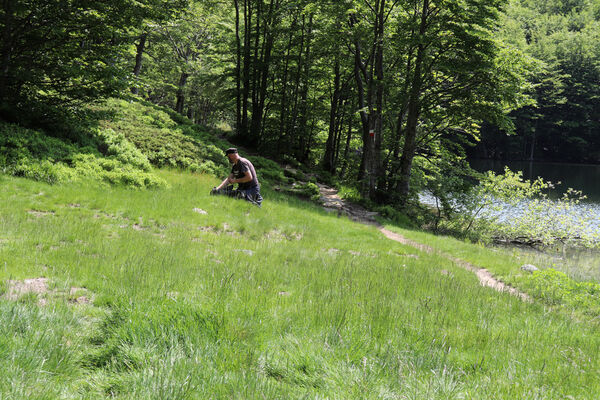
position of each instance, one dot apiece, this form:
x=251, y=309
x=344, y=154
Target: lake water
x=579, y=263
x=580, y=177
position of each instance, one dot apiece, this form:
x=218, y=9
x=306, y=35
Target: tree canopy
x=385, y=94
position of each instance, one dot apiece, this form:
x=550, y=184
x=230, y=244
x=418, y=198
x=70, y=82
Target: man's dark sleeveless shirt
x=238, y=170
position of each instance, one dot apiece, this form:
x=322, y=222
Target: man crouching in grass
x=244, y=175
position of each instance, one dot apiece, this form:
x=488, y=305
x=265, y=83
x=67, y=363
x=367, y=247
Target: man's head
x=232, y=155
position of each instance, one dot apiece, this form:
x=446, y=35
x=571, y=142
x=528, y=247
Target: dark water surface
x=577, y=176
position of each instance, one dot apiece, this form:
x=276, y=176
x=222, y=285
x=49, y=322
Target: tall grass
x=284, y=301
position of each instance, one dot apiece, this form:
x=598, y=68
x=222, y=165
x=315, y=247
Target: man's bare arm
x=227, y=181
x=246, y=178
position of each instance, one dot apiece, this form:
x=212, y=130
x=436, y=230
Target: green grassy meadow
x=280, y=302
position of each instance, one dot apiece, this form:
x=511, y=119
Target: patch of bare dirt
x=39, y=286
x=40, y=213
x=331, y=201
x=276, y=235
x=16, y=289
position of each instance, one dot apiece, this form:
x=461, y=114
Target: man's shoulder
x=245, y=162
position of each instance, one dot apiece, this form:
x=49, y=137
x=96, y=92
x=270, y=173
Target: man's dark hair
x=230, y=150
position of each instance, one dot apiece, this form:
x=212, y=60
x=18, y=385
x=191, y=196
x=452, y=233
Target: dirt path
x=332, y=202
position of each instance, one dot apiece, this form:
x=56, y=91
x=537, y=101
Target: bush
x=114, y=171
x=43, y=171
x=17, y=143
x=396, y=216
x=268, y=170
x=556, y=288
x=308, y=190
x=116, y=145
x=34, y=155
x=164, y=137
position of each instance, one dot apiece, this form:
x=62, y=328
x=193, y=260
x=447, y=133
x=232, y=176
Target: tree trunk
x=371, y=120
x=238, y=78
x=532, y=148
x=377, y=174
x=180, y=95
x=328, y=158
x=263, y=75
x=283, y=108
x=338, y=136
x=305, y=139
x=138, y=59
x=246, y=69
x=414, y=109
x=6, y=49
x=347, y=148
x=292, y=126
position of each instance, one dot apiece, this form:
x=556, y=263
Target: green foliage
x=115, y=144
x=398, y=217
x=67, y=53
x=309, y=190
x=268, y=170
x=34, y=155
x=164, y=141
x=18, y=143
x=556, y=288
x=477, y=212
x=561, y=39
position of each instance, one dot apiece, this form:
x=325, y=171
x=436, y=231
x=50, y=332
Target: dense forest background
x=390, y=95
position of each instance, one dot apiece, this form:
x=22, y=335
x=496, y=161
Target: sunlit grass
x=284, y=301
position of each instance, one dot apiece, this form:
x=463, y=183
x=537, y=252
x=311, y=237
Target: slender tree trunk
x=347, y=148
x=138, y=59
x=338, y=136
x=532, y=148
x=238, y=78
x=360, y=70
x=371, y=120
x=6, y=48
x=180, y=94
x=292, y=127
x=283, y=108
x=377, y=173
x=255, y=75
x=263, y=74
x=246, y=70
x=328, y=158
x=305, y=139
x=414, y=109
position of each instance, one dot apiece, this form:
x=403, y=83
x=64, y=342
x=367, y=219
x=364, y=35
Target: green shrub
x=34, y=155
x=114, y=171
x=556, y=288
x=308, y=190
x=268, y=170
x=164, y=137
x=395, y=216
x=17, y=143
x=43, y=171
x=116, y=145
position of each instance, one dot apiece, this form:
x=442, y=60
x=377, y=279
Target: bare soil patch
x=39, y=286
x=40, y=213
